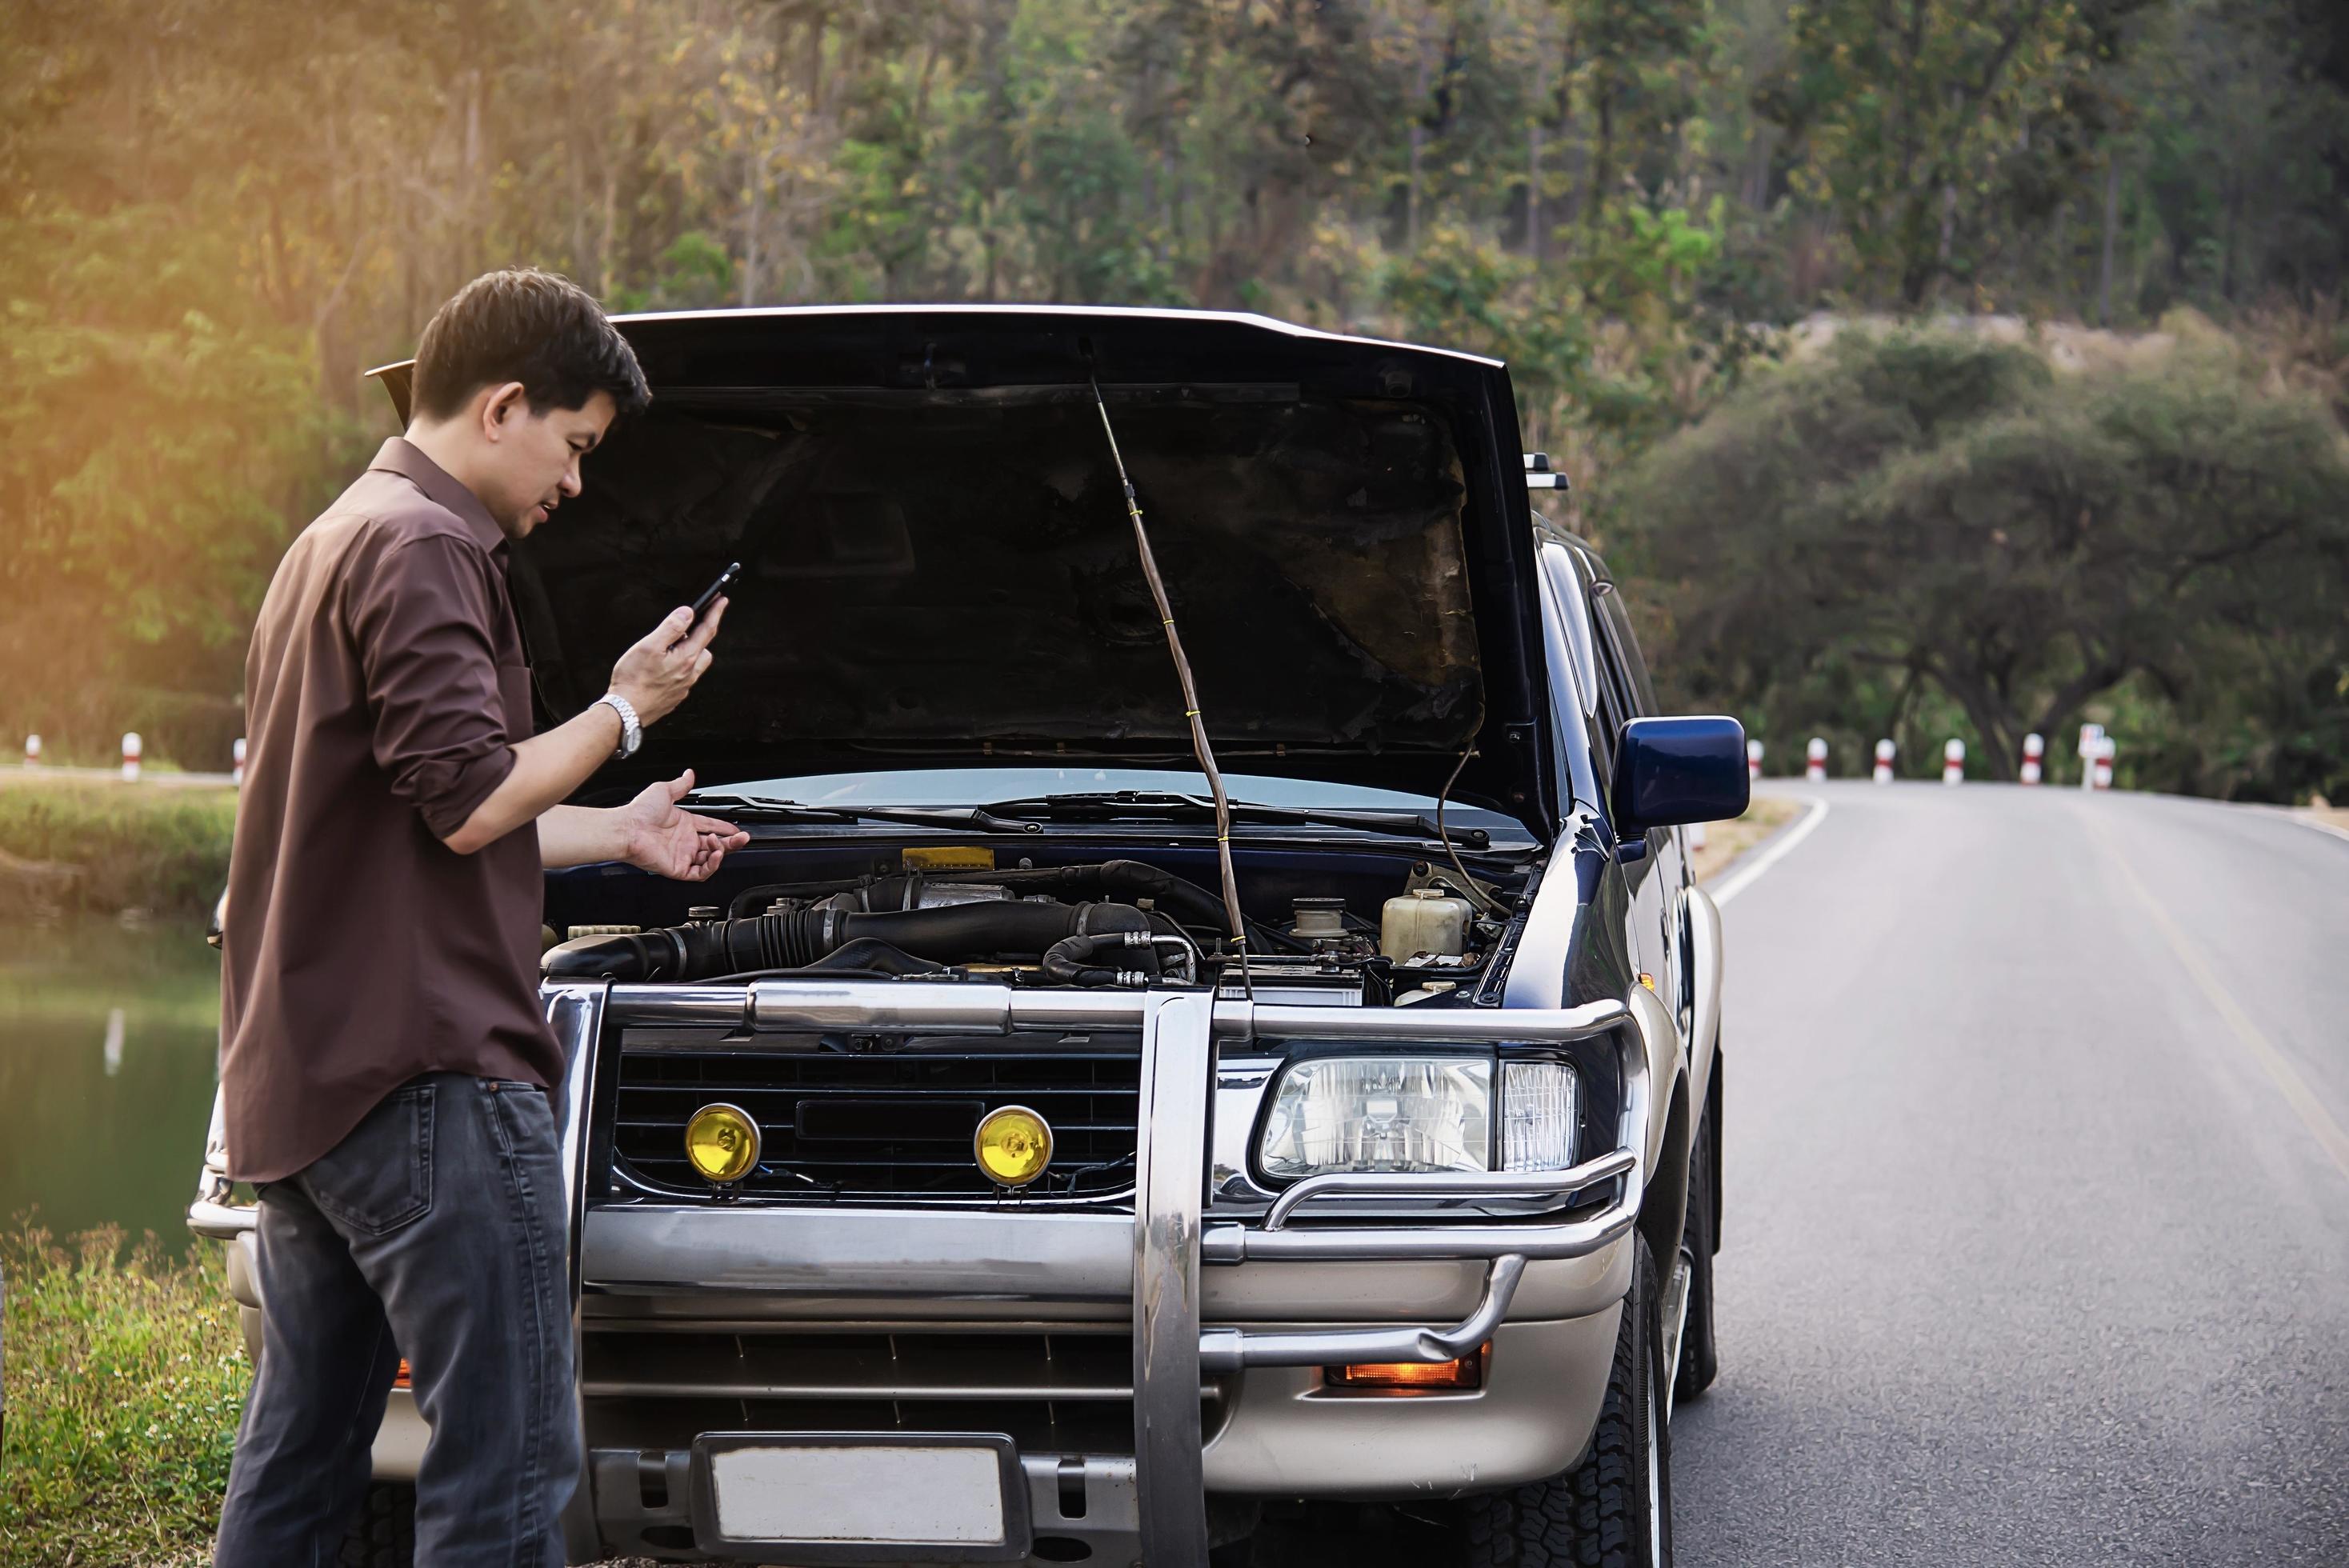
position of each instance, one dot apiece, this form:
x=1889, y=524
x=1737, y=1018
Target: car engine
x=1117, y=923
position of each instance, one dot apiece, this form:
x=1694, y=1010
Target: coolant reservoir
x=1425, y=920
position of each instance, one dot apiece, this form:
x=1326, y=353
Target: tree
x=1910, y=115
x=1951, y=513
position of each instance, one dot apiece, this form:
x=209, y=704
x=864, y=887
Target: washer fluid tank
x=1425, y=920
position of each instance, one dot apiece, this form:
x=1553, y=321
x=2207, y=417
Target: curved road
x=2036, y=1229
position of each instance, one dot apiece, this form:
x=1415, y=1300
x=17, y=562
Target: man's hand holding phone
x=658, y=672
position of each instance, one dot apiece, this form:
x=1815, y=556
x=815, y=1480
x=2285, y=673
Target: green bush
x=125, y=1374
x=163, y=850
x=1926, y=534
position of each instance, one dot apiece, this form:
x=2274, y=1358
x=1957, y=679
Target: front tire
x=1615, y=1508
x=1700, y=1354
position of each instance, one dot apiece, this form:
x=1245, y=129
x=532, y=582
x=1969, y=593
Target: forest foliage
x=217, y=213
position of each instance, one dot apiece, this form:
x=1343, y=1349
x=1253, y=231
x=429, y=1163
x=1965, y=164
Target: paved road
x=2037, y=1214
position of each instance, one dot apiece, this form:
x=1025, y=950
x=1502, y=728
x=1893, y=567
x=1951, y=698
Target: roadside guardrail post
x=2092, y=743
x=2034, y=747
x=2102, y=771
x=1815, y=759
x=130, y=749
x=1953, y=761
x=236, y=762
x=1753, y=760
x=32, y=751
x=1884, y=762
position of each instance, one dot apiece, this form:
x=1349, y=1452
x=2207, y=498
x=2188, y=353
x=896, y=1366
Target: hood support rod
x=1199, y=746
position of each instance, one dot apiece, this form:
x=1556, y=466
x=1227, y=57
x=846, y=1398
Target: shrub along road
x=2036, y=1229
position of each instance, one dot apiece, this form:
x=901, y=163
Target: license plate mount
x=825, y=1498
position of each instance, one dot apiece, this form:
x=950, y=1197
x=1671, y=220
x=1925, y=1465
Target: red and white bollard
x=2092, y=746
x=1884, y=762
x=2102, y=770
x=1815, y=759
x=131, y=748
x=32, y=751
x=1753, y=760
x=1953, y=761
x=236, y=763
x=2034, y=747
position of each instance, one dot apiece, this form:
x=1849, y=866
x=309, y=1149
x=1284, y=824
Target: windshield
x=980, y=786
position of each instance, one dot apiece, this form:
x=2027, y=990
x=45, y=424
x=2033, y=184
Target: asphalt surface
x=2036, y=1223
x=2036, y=1227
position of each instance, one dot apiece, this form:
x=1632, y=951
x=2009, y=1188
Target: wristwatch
x=632, y=734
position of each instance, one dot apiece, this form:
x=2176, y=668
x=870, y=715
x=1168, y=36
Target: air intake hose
x=797, y=939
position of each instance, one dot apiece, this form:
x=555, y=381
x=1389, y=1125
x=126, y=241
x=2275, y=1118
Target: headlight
x=1540, y=1103
x=1416, y=1113
x=1381, y=1113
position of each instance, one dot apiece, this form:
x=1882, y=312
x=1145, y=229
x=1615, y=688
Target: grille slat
x=815, y=1098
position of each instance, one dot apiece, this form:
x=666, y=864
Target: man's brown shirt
x=383, y=685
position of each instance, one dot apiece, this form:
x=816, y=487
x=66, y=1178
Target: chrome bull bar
x=659, y=1248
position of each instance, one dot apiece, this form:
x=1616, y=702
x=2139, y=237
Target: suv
x=961, y=1177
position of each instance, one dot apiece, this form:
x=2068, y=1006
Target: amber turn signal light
x=1468, y=1372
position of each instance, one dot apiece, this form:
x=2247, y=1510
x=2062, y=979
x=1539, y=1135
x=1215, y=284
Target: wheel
x=1700, y=1354
x=1615, y=1508
x=384, y=1533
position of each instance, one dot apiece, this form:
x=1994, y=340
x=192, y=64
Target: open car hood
x=940, y=571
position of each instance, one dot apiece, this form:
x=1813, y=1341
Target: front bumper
x=1244, y=1311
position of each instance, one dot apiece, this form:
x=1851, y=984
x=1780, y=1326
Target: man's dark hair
x=524, y=325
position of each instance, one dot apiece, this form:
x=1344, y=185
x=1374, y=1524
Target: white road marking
x=2279, y=1070
x=1769, y=854
x=2321, y=827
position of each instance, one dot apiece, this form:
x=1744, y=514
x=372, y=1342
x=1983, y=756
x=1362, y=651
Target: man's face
x=531, y=464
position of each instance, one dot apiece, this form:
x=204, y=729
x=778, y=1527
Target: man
x=385, y=1064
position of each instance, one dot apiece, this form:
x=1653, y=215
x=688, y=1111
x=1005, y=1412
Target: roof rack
x=1539, y=475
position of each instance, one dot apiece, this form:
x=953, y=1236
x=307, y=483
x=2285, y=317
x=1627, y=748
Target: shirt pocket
x=379, y=1176
x=513, y=695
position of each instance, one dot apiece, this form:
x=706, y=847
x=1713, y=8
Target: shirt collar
x=407, y=460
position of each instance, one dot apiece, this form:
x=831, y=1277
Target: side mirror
x=1668, y=771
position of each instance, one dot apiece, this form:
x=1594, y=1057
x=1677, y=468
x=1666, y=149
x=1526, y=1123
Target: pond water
x=109, y=1045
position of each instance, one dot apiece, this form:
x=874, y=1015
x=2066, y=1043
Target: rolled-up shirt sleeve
x=422, y=620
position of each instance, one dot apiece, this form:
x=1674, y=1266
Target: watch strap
x=632, y=733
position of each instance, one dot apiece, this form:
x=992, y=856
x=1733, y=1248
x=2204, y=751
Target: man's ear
x=501, y=406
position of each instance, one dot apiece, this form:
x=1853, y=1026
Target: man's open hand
x=673, y=843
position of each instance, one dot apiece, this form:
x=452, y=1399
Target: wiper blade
x=764, y=808
x=1166, y=805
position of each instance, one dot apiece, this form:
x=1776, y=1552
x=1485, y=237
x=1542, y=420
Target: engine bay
x=1374, y=929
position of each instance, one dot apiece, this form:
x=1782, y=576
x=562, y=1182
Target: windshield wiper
x=1167, y=806
x=765, y=808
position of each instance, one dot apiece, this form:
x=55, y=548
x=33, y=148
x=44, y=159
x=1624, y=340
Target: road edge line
x=1769, y=854
x=2286, y=1078
x=2340, y=833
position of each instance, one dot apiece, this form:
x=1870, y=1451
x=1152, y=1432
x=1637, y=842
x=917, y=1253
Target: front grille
x=648, y=1384
x=844, y=1118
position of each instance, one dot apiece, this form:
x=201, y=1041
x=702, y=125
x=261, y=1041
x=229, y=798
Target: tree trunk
x=2112, y=223
x=1533, y=156
x=754, y=217
x=1602, y=156
x=1418, y=141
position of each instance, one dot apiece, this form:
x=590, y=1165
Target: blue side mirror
x=1668, y=771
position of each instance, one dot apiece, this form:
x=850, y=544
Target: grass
x=1725, y=841
x=124, y=1377
x=91, y=846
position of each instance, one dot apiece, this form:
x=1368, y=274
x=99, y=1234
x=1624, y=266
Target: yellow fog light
x=1013, y=1145
x=722, y=1142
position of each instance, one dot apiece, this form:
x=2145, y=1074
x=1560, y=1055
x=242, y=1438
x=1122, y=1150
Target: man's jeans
x=436, y=1230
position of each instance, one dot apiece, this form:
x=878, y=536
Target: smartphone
x=709, y=594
